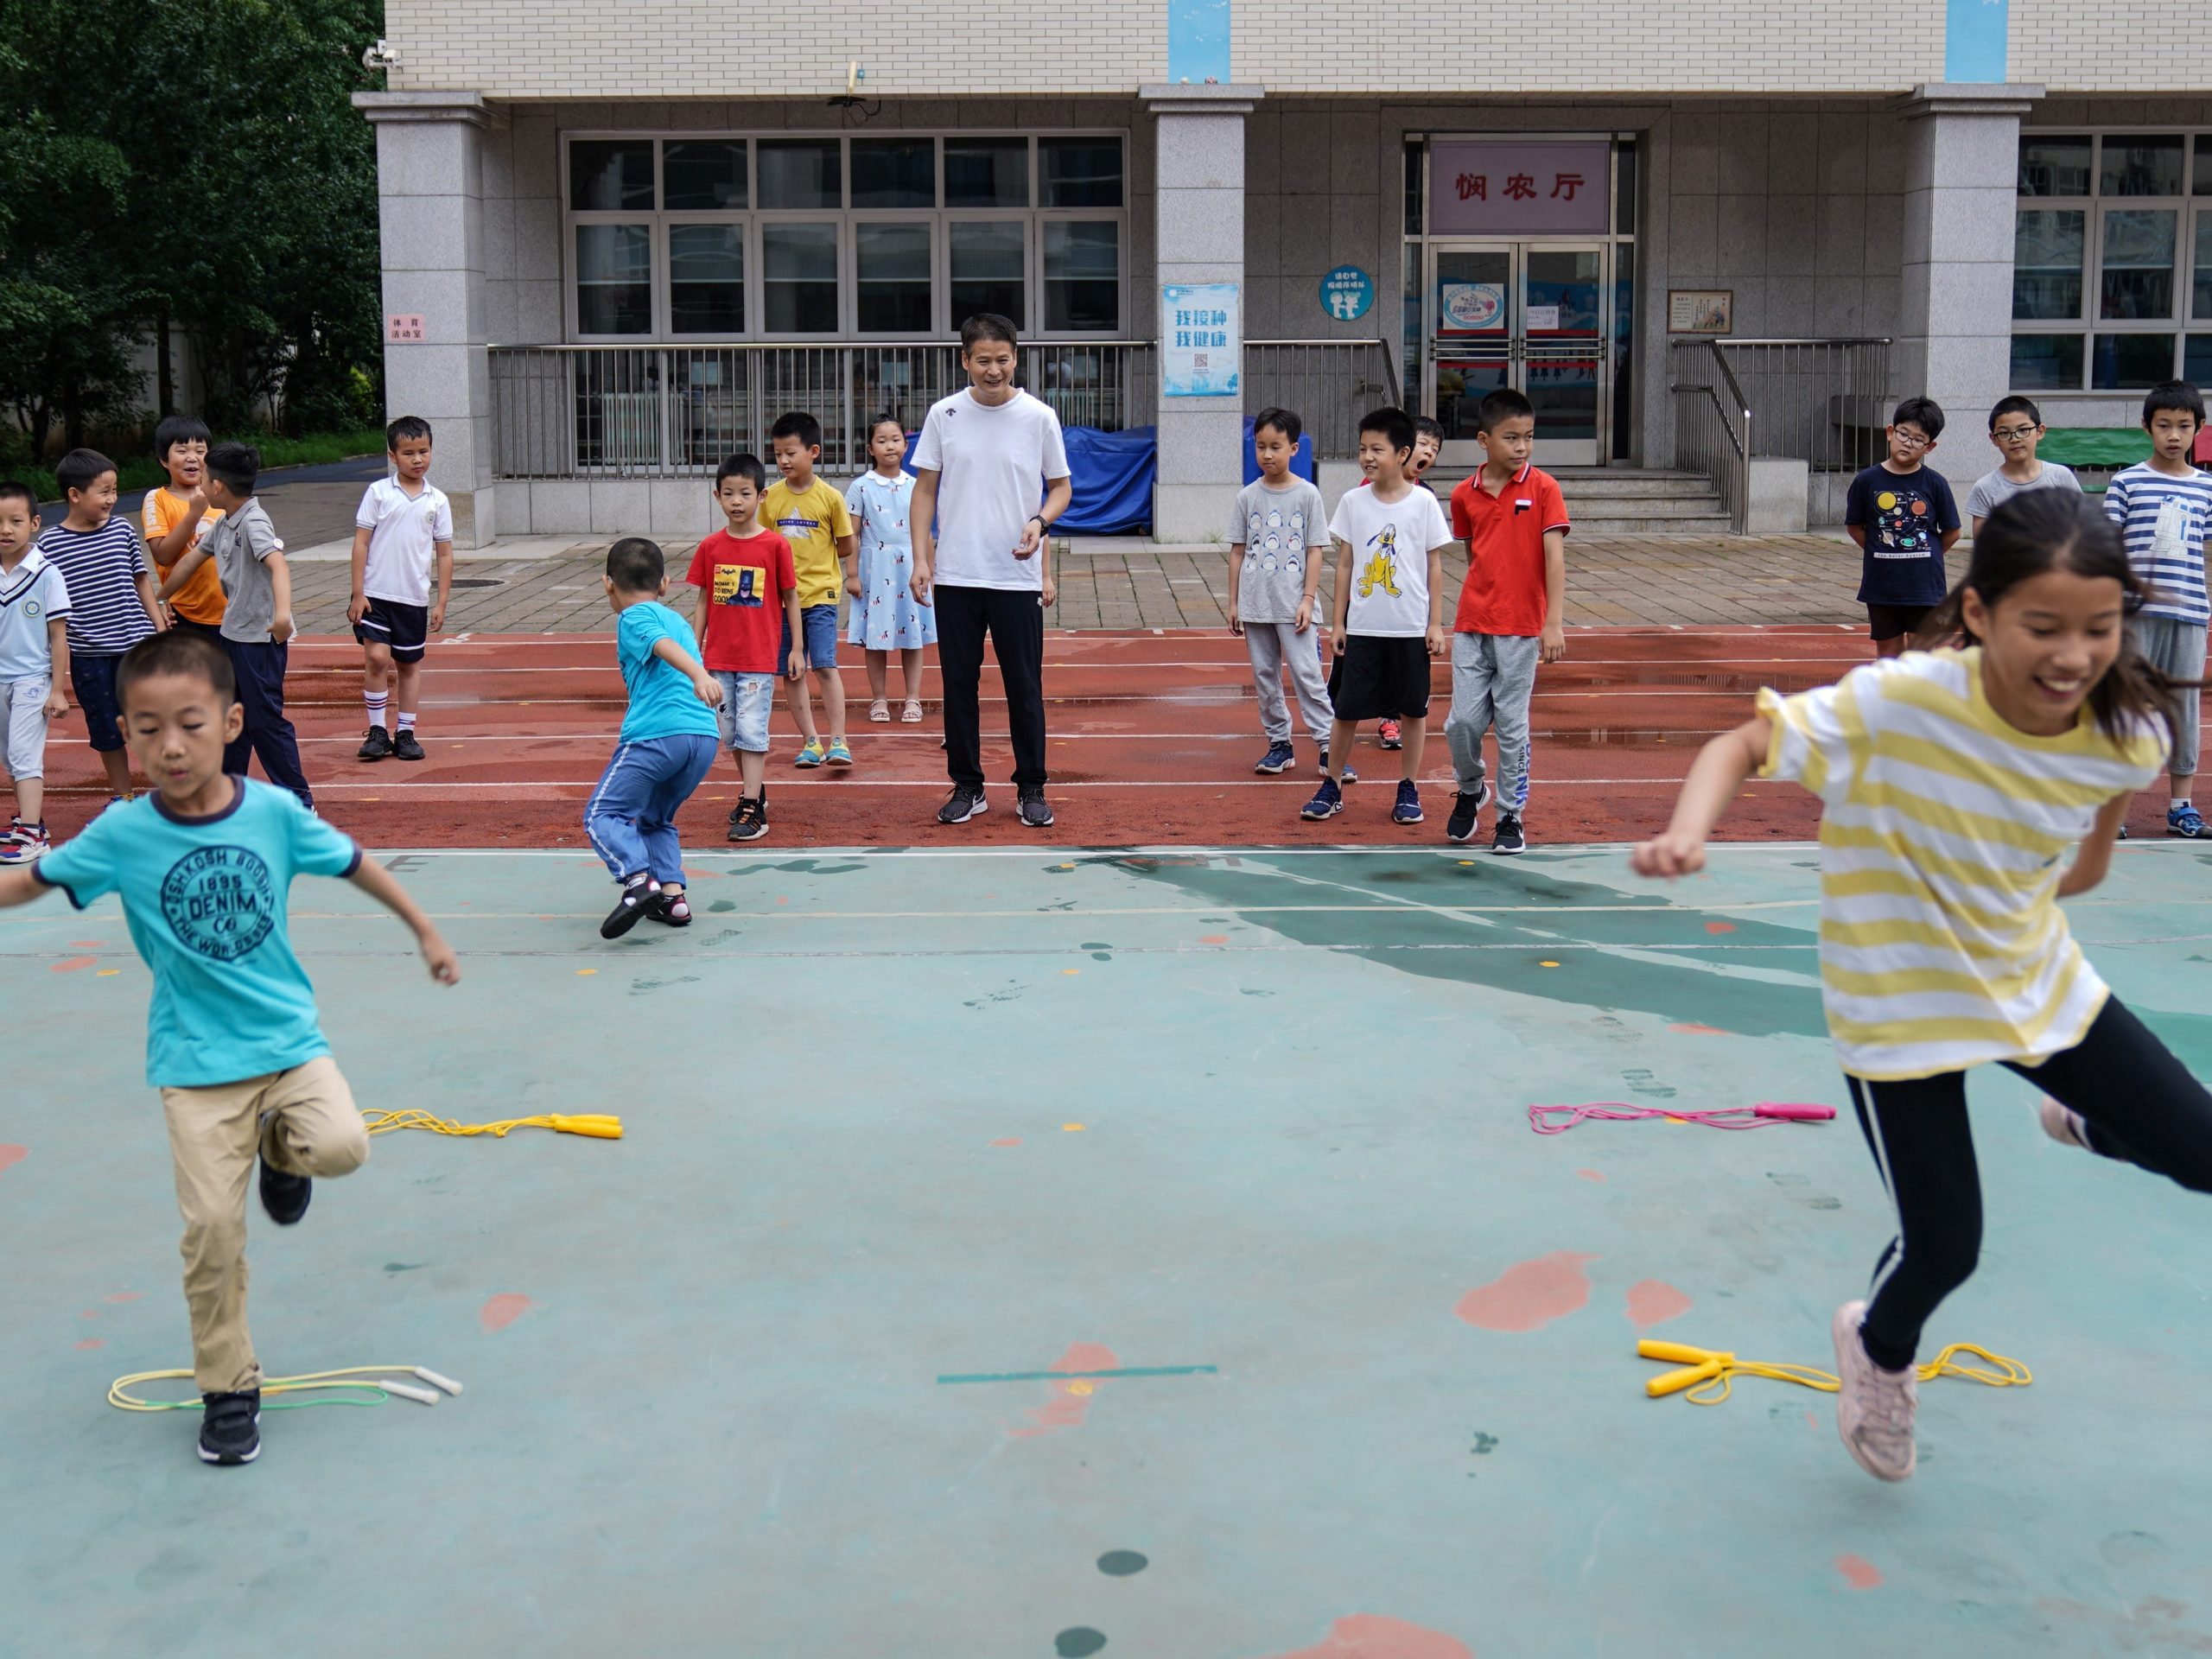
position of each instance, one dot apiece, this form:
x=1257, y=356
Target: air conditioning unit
x=629, y=428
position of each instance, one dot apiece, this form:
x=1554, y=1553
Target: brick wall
x=2095, y=46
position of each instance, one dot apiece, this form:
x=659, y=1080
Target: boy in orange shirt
x=177, y=516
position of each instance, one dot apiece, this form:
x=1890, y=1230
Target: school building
x=1713, y=244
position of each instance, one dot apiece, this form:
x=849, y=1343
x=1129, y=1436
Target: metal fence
x=670, y=412
x=1823, y=401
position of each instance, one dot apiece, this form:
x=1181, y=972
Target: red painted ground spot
x=503, y=1310
x=1653, y=1301
x=1530, y=1295
x=1857, y=1571
x=1376, y=1635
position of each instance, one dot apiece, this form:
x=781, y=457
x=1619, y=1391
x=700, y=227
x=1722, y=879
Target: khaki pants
x=303, y=1120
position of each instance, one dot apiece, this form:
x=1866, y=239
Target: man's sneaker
x=963, y=805
x=1327, y=801
x=1874, y=1409
x=1507, y=838
x=1036, y=811
x=230, y=1428
x=1347, y=776
x=1279, y=758
x=2064, y=1124
x=407, y=747
x=375, y=745
x=1390, y=735
x=1408, y=810
x=2185, y=820
x=837, y=754
x=748, y=822
x=810, y=755
x=284, y=1197
x=629, y=910
x=1465, y=808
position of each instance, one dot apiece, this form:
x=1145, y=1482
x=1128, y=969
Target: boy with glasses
x=1902, y=516
x=2016, y=427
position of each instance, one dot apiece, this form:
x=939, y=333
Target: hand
x=1668, y=855
x=1554, y=648
x=1235, y=622
x=920, y=584
x=853, y=584
x=797, y=665
x=1337, y=641
x=56, y=704
x=161, y=618
x=708, y=690
x=195, y=505
x=1435, y=641
x=357, y=607
x=1047, y=590
x=438, y=617
x=281, y=628
x=1032, y=535
x=1305, y=619
x=437, y=955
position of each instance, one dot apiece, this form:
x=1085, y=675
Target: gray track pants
x=1492, y=677
x=1272, y=645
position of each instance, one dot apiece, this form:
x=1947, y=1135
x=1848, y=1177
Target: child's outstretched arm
x=20, y=886
x=2094, y=857
x=379, y=883
x=704, y=686
x=1715, y=777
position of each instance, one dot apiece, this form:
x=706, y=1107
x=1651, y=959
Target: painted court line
x=1054, y=1377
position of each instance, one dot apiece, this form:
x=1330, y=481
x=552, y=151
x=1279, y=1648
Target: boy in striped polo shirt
x=111, y=602
x=2162, y=506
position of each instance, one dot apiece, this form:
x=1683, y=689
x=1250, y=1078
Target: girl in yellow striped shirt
x=1953, y=783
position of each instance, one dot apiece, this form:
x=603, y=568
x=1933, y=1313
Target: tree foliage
x=196, y=164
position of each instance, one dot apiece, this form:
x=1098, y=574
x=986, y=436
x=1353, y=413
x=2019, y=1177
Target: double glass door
x=1526, y=314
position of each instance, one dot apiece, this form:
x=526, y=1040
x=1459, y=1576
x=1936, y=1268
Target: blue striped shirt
x=2162, y=518
x=100, y=566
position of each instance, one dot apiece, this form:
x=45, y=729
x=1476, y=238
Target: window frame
x=660, y=220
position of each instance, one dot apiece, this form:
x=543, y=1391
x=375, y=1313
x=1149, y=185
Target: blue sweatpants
x=631, y=817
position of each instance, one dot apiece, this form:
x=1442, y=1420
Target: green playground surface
x=1026, y=1252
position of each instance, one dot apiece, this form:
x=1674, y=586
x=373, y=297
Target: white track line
x=1238, y=663
x=1374, y=783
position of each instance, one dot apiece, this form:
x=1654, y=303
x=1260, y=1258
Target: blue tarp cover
x=1111, y=475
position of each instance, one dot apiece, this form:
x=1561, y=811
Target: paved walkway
x=1111, y=583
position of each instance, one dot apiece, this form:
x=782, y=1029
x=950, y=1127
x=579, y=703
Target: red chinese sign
x=1515, y=187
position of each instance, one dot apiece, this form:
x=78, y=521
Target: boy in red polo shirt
x=1514, y=521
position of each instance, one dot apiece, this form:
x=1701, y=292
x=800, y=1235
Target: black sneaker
x=1460, y=826
x=375, y=745
x=637, y=898
x=1509, y=839
x=963, y=805
x=284, y=1197
x=1036, y=811
x=405, y=746
x=230, y=1429
x=748, y=822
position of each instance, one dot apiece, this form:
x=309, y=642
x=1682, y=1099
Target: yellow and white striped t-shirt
x=1941, y=943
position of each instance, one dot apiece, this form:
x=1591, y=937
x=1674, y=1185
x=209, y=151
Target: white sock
x=375, y=701
x=2177, y=802
x=407, y=720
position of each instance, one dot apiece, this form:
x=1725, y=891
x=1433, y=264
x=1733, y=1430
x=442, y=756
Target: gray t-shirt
x=1993, y=489
x=238, y=543
x=1276, y=528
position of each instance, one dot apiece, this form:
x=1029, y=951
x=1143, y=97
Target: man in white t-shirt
x=991, y=476
x=403, y=529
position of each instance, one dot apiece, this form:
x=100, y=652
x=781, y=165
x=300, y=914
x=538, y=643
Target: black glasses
x=2012, y=434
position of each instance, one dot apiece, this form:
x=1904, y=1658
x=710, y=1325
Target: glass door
x=1562, y=349
x=1469, y=327
x=1526, y=314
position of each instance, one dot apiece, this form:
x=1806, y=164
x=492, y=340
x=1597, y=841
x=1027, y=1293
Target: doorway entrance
x=1533, y=315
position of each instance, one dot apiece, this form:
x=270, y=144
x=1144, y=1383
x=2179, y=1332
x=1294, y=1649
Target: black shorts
x=93, y=678
x=1379, y=679
x=1890, y=621
x=406, y=628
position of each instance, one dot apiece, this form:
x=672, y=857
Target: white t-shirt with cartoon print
x=1390, y=545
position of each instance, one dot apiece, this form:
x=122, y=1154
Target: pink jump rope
x=1547, y=1120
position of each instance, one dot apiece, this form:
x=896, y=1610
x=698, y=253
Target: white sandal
x=878, y=709
x=912, y=713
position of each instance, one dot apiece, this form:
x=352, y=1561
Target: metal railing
x=673, y=411
x=1823, y=401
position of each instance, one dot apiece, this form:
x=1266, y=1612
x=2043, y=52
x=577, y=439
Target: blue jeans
x=631, y=817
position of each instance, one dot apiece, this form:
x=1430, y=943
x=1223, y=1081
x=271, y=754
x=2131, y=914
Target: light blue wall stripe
x=1198, y=40
x=1974, y=34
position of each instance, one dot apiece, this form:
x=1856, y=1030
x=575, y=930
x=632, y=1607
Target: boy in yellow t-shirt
x=177, y=515
x=811, y=515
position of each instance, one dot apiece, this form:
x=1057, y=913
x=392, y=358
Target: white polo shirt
x=403, y=533
x=993, y=462
x=31, y=596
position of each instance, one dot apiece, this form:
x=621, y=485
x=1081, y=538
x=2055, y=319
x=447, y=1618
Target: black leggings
x=2142, y=1107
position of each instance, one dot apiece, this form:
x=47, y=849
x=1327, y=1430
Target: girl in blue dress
x=886, y=616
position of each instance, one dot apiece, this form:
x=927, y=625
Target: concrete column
x=430, y=211
x=1199, y=215
x=1962, y=173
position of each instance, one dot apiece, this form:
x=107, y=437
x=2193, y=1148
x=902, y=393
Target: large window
x=884, y=237
x=2111, y=260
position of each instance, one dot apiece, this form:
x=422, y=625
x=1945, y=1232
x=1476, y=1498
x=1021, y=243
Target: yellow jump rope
x=1707, y=1375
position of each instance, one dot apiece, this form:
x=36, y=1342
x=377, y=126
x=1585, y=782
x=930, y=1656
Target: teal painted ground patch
x=1207, y=1175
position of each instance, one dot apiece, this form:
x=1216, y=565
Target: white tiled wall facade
x=2117, y=46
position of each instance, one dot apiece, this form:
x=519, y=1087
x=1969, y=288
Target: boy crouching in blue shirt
x=666, y=745
x=203, y=865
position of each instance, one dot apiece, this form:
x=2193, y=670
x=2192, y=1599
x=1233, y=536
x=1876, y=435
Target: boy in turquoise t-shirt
x=666, y=745
x=203, y=866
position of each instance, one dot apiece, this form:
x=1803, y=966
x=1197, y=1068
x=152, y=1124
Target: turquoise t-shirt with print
x=662, y=702
x=205, y=899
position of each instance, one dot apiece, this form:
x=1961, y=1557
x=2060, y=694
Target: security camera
x=381, y=54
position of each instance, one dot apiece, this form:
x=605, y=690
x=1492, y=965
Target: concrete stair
x=1627, y=501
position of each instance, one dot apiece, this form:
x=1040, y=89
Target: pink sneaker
x=2064, y=1124
x=1874, y=1409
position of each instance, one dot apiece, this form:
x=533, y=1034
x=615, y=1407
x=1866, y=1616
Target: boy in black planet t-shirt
x=1902, y=515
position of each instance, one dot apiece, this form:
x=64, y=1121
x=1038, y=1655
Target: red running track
x=1152, y=738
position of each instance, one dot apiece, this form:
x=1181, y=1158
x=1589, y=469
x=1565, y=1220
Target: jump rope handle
x=1681, y=1353
x=1797, y=1110
x=601, y=1127
x=1688, y=1377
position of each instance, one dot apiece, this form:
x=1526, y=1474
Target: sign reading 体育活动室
x=1201, y=340
x=1347, y=292
x=1509, y=187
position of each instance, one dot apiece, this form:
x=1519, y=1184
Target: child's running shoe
x=230, y=1428
x=1466, y=809
x=837, y=754
x=1509, y=838
x=638, y=895
x=407, y=747
x=1874, y=1408
x=284, y=1197
x=1327, y=801
x=811, y=755
x=1390, y=735
x=749, y=821
x=1347, y=776
x=2186, y=821
x=1279, y=758
x=1408, y=810
x=375, y=745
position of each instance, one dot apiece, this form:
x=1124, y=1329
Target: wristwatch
x=1042, y=522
